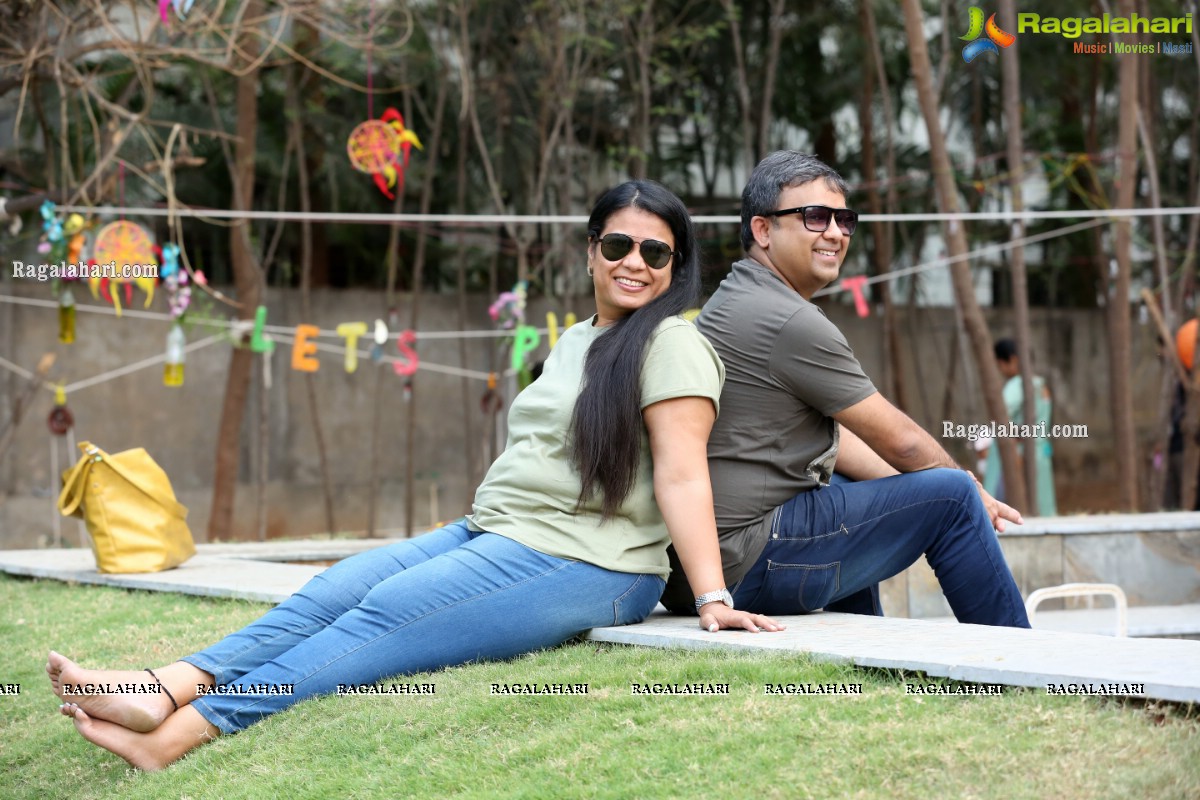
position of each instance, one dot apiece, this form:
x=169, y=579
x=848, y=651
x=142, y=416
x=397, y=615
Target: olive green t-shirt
x=530, y=491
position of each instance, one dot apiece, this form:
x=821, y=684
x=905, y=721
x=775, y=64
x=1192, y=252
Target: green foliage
x=557, y=89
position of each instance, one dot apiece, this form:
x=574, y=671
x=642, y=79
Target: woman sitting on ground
x=605, y=458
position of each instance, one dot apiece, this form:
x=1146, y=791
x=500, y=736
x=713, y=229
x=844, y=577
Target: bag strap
x=173, y=506
x=75, y=483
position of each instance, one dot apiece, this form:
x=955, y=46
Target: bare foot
x=129, y=745
x=151, y=751
x=140, y=706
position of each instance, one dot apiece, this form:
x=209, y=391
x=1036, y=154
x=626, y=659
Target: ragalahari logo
x=995, y=36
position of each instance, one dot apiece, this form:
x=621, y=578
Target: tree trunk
x=460, y=270
x=247, y=279
x=418, y=268
x=1011, y=74
x=1120, y=359
x=881, y=251
x=770, y=68
x=964, y=290
x=643, y=51
x=743, y=84
x=885, y=233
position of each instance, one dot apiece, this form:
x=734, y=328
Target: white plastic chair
x=1082, y=590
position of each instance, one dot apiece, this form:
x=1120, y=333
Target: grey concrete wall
x=1154, y=558
x=178, y=426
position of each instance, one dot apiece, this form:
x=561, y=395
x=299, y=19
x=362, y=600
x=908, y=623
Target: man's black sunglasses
x=816, y=218
x=616, y=246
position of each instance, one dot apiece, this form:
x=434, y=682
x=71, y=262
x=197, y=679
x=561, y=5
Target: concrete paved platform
x=1169, y=669
x=1182, y=620
x=247, y=571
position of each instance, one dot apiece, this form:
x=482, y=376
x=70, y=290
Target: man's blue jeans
x=444, y=598
x=830, y=547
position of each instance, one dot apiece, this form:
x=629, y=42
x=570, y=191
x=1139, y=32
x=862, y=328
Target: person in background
x=1185, y=343
x=1014, y=402
x=605, y=464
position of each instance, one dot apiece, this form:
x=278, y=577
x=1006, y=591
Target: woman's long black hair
x=606, y=428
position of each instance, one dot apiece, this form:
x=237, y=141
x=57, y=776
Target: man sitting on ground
x=796, y=405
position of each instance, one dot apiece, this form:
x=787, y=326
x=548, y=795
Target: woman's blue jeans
x=444, y=598
x=830, y=547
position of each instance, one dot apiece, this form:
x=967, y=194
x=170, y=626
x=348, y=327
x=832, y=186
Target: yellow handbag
x=135, y=522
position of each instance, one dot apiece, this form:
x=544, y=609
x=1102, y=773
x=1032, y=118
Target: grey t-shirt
x=788, y=370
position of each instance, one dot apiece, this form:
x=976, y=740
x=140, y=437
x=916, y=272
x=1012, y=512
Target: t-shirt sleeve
x=681, y=363
x=813, y=361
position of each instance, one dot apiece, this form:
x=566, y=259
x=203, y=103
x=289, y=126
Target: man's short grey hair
x=776, y=172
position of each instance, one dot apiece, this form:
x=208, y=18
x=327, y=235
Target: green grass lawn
x=465, y=742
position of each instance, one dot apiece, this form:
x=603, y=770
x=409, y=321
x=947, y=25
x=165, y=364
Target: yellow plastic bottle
x=173, y=368
x=66, y=316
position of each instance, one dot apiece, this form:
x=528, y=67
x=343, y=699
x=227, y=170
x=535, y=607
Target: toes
x=76, y=713
x=55, y=664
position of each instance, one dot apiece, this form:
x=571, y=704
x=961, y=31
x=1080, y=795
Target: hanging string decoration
x=182, y=7
x=508, y=311
x=120, y=244
x=60, y=420
x=73, y=232
x=51, y=243
x=63, y=242
x=175, y=281
x=854, y=284
x=381, y=148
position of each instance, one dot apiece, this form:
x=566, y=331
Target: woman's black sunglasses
x=616, y=246
x=816, y=218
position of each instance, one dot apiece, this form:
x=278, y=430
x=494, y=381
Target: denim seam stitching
x=843, y=529
x=219, y=718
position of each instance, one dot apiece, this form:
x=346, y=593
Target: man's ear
x=760, y=228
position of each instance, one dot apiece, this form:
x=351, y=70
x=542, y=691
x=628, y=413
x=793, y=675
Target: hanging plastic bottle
x=66, y=316
x=173, y=368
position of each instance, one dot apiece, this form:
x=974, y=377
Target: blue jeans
x=444, y=598
x=830, y=547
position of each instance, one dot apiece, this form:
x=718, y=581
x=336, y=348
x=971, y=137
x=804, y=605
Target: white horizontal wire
x=989, y=248
x=283, y=333
x=421, y=364
x=119, y=372
x=580, y=219
x=212, y=322
x=14, y=368
x=280, y=332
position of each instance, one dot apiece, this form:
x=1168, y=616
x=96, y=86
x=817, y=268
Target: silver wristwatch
x=719, y=596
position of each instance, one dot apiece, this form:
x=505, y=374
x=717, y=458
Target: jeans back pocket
x=797, y=588
x=638, y=600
